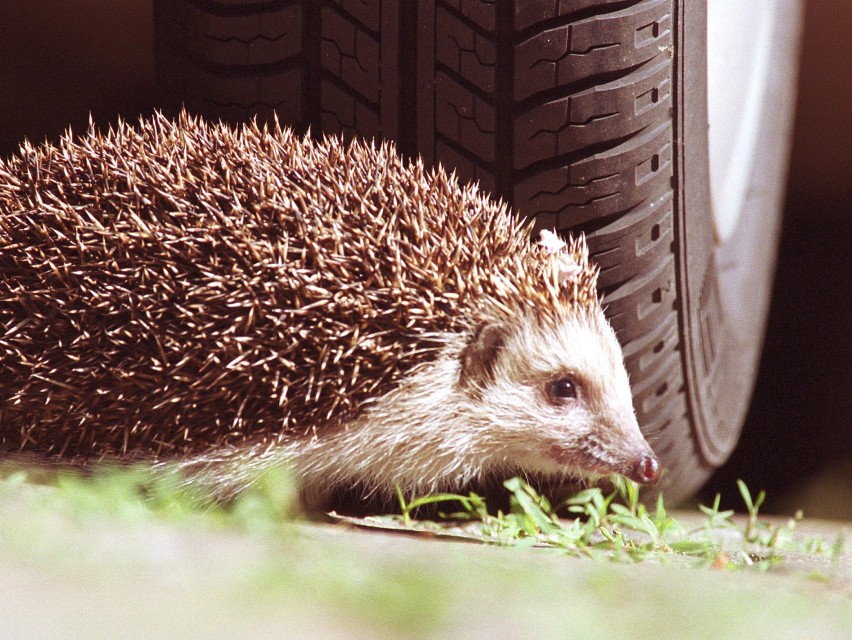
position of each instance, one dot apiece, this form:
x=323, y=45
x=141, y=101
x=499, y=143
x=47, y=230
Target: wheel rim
x=739, y=43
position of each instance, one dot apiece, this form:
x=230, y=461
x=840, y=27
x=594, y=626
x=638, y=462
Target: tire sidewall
x=726, y=286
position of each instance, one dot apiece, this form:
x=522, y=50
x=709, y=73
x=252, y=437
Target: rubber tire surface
x=587, y=114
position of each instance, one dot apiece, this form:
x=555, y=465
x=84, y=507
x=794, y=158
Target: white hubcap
x=739, y=56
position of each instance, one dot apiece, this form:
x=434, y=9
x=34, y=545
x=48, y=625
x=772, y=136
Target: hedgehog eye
x=562, y=390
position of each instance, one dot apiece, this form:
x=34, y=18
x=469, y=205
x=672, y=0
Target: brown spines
x=177, y=286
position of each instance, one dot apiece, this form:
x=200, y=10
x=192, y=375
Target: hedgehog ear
x=480, y=355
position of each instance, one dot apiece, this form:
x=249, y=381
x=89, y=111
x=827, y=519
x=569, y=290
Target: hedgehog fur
x=239, y=297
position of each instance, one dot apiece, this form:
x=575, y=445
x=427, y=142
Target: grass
x=592, y=523
x=143, y=558
x=617, y=526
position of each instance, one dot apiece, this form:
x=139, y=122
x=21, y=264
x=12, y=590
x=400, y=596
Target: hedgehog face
x=558, y=398
x=548, y=401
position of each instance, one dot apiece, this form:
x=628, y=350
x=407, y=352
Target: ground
x=72, y=569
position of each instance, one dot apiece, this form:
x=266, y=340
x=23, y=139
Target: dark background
x=61, y=60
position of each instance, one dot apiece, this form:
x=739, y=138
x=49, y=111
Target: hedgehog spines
x=177, y=286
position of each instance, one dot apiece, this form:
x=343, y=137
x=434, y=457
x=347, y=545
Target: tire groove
x=504, y=86
x=338, y=82
x=570, y=89
x=467, y=22
x=235, y=10
x=188, y=30
x=465, y=83
x=572, y=157
x=465, y=152
x=348, y=17
x=522, y=35
x=409, y=50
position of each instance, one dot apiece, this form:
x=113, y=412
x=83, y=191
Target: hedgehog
x=230, y=299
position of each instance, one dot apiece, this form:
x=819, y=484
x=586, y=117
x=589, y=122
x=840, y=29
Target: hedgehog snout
x=645, y=469
x=639, y=463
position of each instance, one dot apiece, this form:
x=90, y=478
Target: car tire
x=589, y=115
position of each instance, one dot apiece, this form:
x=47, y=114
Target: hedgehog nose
x=646, y=470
